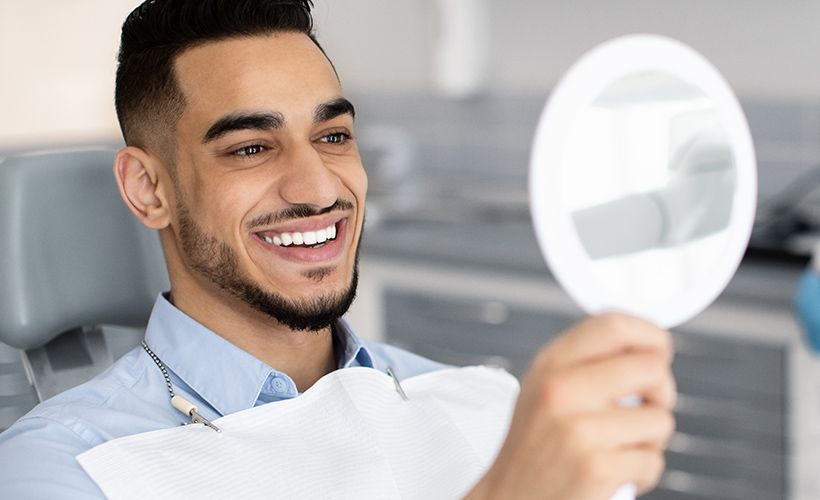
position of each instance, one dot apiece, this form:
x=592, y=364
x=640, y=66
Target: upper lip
x=302, y=225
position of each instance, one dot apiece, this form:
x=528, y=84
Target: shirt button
x=279, y=385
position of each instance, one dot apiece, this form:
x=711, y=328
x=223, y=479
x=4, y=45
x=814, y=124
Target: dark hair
x=147, y=96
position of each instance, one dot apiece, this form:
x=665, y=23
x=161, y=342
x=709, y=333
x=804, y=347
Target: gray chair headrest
x=71, y=254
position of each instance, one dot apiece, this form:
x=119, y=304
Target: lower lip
x=306, y=255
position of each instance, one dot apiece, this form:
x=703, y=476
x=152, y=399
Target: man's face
x=269, y=183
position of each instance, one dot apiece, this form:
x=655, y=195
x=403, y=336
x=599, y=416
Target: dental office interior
x=449, y=95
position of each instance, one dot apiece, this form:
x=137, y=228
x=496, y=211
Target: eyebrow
x=243, y=121
x=274, y=120
x=331, y=109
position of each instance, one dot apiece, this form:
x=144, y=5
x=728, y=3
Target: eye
x=335, y=138
x=249, y=151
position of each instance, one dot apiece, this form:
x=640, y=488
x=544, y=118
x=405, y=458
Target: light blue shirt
x=37, y=453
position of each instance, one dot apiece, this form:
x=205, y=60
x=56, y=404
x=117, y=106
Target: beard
x=217, y=262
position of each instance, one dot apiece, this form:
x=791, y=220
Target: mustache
x=296, y=212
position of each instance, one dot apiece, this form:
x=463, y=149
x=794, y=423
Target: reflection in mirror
x=642, y=180
x=653, y=198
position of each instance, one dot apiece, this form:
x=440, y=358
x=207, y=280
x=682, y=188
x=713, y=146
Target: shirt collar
x=354, y=352
x=227, y=377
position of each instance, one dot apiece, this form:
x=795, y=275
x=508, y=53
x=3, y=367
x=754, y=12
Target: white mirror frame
x=587, y=80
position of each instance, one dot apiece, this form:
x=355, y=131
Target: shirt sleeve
x=37, y=461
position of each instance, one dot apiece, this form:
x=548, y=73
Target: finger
x=642, y=466
x=618, y=429
x=602, y=384
x=664, y=394
x=602, y=473
x=604, y=335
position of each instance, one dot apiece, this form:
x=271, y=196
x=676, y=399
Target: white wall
x=57, y=57
x=57, y=61
x=764, y=48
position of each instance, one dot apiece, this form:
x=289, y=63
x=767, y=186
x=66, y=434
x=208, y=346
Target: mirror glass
x=643, y=180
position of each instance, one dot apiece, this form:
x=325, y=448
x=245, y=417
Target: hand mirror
x=643, y=180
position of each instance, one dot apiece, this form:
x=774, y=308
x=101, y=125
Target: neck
x=304, y=356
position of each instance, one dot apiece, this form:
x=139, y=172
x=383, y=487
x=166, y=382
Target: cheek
x=356, y=181
x=223, y=205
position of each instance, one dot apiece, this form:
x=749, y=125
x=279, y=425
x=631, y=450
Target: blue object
x=807, y=303
x=37, y=453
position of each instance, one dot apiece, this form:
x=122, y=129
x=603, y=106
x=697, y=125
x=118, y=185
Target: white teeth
x=304, y=238
x=310, y=237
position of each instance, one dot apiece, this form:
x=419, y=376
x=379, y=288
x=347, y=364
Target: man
x=241, y=152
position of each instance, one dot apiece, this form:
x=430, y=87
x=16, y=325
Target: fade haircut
x=147, y=96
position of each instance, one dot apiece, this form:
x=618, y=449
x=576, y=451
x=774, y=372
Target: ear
x=138, y=178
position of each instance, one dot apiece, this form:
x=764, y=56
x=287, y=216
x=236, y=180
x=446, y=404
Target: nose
x=308, y=180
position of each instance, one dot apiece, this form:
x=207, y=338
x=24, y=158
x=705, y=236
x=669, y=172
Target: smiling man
x=259, y=197
x=241, y=152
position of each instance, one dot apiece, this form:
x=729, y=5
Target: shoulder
x=38, y=456
x=404, y=363
x=74, y=412
x=40, y=448
x=79, y=409
x=77, y=419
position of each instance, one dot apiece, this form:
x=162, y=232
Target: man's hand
x=570, y=437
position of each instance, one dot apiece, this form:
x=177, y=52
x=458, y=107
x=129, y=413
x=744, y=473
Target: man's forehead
x=278, y=71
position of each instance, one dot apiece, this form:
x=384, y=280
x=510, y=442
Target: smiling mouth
x=304, y=239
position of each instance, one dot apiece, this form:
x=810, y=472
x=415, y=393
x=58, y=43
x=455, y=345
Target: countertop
x=509, y=246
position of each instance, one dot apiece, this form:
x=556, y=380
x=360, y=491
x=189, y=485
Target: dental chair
x=78, y=275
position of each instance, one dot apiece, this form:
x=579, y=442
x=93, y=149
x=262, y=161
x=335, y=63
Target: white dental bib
x=351, y=435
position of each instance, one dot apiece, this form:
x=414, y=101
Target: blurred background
x=448, y=94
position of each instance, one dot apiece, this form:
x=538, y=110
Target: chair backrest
x=72, y=258
x=71, y=254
